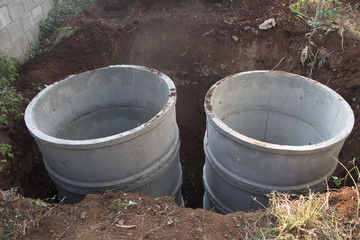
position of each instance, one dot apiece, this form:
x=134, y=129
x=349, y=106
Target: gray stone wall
x=19, y=24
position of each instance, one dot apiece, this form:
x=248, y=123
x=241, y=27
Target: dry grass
x=64, y=33
x=305, y=217
x=312, y=216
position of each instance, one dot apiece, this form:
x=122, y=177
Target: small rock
x=235, y=38
x=247, y=28
x=170, y=222
x=83, y=216
x=270, y=23
x=254, y=31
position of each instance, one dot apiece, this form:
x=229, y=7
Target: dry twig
x=342, y=37
x=278, y=63
x=186, y=51
x=207, y=33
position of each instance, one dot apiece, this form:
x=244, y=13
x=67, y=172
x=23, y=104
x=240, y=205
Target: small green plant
x=8, y=72
x=356, y=169
x=302, y=9
x=296, y=9
x=12, y=103
x=121, y=205
x=41, y=87
x=338, y=181
x=40, y=203
x=33, y=50
x=6, y=151
x=328, y=15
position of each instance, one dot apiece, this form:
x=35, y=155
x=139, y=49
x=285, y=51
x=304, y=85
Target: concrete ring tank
x=112, y=128
x=269, y=130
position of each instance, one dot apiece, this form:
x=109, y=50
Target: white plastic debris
x=270, y=23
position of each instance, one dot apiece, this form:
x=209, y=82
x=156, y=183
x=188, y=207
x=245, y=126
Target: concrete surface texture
x=19, y=24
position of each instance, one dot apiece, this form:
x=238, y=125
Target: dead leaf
x=322, y=57
x=304, y=54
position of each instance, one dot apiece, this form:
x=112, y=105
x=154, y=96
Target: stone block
x=4, y=40
x=29, y=5
x=15, y=30
x=4, y=2
x=14, y=51
x=27, y=22
x=25, y=40
x=35, y=31
x=16, y=9
x=19, y=48
x=47, y=6
x=5, y=18
x=38, y=2
x=37, y=14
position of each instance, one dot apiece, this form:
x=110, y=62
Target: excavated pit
x=195, y=54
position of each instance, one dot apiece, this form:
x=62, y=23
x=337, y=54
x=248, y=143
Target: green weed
x=348, y=174
x=33, y=50
x=297, y=9
x=41, y=87
x=338, y=181
x=6, y=151
x=323, y=14
x=121, y=205
x=58, y=14
x=40, y=203
x=12, y=104
x=8, y=72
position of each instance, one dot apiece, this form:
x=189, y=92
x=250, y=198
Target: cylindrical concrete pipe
x=269, y=130
x=112, y=128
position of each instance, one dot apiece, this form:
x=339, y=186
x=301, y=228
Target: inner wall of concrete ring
x=267, y=131
x=142, y=158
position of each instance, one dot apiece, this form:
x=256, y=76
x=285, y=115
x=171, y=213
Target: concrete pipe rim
x=271, y=147
x=108, y=140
